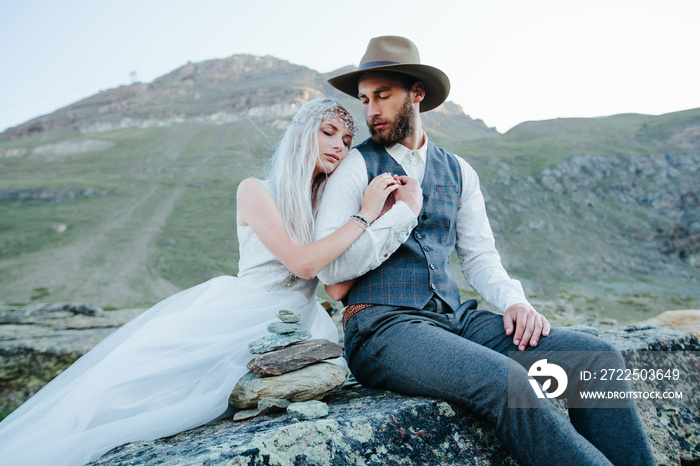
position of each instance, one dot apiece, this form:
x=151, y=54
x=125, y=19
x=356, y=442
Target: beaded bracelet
x=360, y=218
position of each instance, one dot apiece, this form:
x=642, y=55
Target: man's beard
x=398, y=130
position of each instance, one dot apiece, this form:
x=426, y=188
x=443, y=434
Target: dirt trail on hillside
x=86, y=270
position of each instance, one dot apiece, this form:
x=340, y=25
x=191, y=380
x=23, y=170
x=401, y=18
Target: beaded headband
x=324, y=109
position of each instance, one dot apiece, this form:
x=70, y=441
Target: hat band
x=373, y=64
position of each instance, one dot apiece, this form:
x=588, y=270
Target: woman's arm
x=257, y=208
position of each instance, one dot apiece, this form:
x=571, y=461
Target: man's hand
x=528, y=324
x=410, y=192
x=388, y=204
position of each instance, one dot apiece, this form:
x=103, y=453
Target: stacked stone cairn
x=288, y=373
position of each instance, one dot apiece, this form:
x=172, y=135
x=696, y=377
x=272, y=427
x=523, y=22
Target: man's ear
x=418, y=90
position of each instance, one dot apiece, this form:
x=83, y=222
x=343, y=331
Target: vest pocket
x=444, y=202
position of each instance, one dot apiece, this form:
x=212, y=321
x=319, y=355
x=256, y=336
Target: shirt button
x=432, y=286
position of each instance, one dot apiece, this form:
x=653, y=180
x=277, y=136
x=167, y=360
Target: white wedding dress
x=168, y=370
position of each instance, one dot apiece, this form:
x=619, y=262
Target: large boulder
x=367, y=426
x=684, y=320
x=363, y=426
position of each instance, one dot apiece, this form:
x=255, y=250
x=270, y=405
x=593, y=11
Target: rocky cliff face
x=593, y=198
x=667, y=184
x=655, y=204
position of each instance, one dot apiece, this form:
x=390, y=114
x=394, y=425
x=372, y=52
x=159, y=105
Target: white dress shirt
x=479, y=261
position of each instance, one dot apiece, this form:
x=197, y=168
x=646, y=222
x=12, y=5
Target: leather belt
x=351, y=310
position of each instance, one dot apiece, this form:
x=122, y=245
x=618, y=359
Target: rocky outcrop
x=673, y=427
x=367, y=426
x=598, y=215
x=38, y=342
x=687, y=321
x=363, y=426
x=666, y=183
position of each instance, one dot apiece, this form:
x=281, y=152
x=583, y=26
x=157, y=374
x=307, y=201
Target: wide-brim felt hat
x=399, y=55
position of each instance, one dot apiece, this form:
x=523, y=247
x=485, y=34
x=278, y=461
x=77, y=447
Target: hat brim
x=437, y=84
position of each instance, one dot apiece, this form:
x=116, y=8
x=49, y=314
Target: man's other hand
x=411, y=193
x=527, y=323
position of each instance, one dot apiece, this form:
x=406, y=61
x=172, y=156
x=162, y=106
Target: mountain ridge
x=218, y=90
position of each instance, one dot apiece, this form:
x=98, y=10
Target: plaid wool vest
x=420, y=267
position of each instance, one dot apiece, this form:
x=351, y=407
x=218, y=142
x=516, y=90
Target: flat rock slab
x=283, y=328
x=276, y=341
x=364, y=426
x=308, y=383
x=293, y=357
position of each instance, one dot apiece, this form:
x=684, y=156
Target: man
x=405, y=329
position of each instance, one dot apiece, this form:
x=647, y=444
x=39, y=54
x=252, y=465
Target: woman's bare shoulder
x=251, y=196
x=250, y=185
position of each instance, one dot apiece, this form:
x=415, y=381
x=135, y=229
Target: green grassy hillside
x=167, y=219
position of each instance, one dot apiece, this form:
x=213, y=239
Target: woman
x=173, y=367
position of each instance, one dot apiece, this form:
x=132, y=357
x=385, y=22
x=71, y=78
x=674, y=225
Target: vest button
x=424, y=217
x=432, y=267
x=418, y=235
x=426, y=248
x=432, y=286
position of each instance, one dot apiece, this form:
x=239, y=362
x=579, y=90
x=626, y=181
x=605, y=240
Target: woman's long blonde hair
x=293, y=163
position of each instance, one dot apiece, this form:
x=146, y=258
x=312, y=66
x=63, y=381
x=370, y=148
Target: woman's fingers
x=376, y=194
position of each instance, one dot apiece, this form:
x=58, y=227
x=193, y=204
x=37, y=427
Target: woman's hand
x=376, y=195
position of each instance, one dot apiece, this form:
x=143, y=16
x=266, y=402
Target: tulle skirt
x=168, y=370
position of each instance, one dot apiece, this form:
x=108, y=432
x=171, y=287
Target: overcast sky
x=509, y=60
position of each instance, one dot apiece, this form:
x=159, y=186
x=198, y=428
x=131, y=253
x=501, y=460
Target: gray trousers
x=461, y=357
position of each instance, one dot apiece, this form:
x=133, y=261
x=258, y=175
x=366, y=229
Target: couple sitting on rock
x=379, y=232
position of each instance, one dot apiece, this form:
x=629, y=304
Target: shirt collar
x=399, y=152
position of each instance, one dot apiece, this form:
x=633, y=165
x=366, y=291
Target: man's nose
x=373, y=109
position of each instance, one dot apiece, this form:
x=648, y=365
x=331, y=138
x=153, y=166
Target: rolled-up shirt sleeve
x=476, y=248
x=343, y=198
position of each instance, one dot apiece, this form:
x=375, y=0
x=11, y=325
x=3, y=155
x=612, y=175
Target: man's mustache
x=377, y=121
